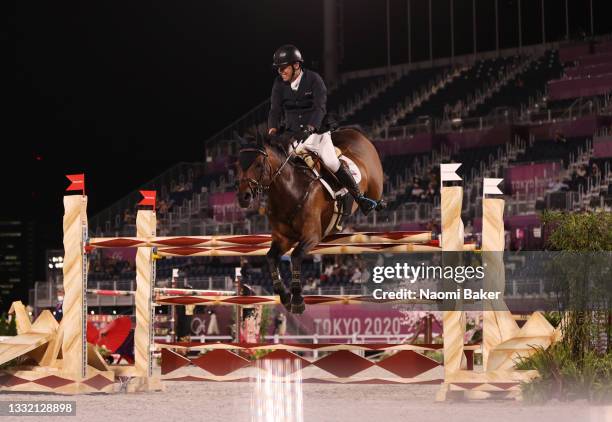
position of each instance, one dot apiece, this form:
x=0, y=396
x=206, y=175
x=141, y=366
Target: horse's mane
x=259, y=137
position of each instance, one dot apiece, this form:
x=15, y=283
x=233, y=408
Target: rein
x=258, y=186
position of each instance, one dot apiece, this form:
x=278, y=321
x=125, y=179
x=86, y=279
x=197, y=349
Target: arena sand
x=211, y=402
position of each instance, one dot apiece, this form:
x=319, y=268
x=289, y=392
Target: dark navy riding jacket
x=300, y=108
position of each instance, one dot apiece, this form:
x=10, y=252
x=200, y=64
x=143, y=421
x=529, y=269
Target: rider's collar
x=296, y=84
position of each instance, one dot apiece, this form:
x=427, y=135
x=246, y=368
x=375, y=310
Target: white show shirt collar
x=296, y=84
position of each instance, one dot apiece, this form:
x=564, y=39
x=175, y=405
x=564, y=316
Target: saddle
x=343, y=201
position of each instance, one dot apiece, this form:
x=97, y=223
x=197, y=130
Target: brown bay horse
x=299, y=208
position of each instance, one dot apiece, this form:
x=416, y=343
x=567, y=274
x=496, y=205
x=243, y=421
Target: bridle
x=257, y=186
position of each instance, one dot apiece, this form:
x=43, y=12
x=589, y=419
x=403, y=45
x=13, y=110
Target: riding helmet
x=286, y=54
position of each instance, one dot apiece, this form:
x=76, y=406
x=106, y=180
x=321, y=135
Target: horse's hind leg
x=273, y=257
x=297, y=300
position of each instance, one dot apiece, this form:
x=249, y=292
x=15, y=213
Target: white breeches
x=321, y=145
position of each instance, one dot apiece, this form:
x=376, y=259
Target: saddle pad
x=352, y=168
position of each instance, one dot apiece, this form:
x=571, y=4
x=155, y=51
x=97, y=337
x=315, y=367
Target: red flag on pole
x=148, y=198
x=77, y=182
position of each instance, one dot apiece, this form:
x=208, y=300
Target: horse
x=299, y=208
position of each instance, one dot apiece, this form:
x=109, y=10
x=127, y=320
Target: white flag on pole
x=490, y=186
x=448, y=172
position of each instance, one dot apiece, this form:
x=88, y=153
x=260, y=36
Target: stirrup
x=366, y=204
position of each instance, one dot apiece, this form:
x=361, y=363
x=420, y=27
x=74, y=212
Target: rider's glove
x=304, y=134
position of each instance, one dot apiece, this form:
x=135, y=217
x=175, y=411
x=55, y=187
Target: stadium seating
x=525, y=86
x=397, y=93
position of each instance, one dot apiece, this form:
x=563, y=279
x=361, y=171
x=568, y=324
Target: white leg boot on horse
x=322, y=145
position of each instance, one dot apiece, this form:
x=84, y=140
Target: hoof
x=299, y=308
x=286, y=301
x=297, y=300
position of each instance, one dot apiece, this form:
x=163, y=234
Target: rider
x=301, y=94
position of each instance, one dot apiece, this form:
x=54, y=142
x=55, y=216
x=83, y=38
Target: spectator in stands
x=432, y=226
x=245, y=270
x=595, y=171
x=280, y=324
x=329, y=269
x=128, y=217
x=417, y=190
x=213, y=325
x=430, y=193
x=162, y=208
x=432, y=175
x=557, y=186
x=97, y=265
x=579, y=178
x=560, y=138
x=336, y=276
x=125, y=268
x=561, y=146
x=317, y=263
x=310, y=285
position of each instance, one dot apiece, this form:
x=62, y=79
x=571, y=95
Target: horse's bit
x=257, y=186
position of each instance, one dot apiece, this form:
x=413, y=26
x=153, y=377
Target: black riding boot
x=346, y=179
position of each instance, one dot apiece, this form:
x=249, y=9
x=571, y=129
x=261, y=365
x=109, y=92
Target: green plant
x=7, y=327
x=563, y=378
x=258, y=353
x=578, y=232
x=264, y=322
x=436, y=355
x=580, y=366
x=554, y=318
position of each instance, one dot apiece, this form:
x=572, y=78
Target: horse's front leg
x=277, y=249
x=297, y=300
